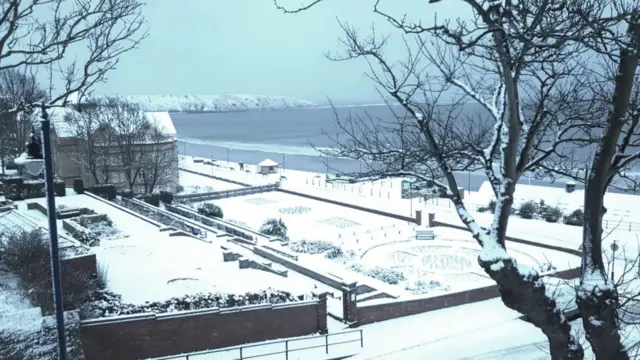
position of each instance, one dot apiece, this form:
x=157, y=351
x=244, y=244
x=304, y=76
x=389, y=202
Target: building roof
x=268, y=162
x=64, y=129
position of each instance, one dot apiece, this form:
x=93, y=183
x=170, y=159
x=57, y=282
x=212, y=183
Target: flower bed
x=158, y=216
x=107, y=304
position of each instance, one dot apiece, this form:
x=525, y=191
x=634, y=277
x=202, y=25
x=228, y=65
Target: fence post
x=286, y=350
x=241, y=353
x=326, y=343
x=361, y=339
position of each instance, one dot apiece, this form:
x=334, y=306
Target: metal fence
x=223, y=194
x=288, y=347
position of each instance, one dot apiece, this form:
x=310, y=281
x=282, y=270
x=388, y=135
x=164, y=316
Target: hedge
x=20, y=189
x=106, y=191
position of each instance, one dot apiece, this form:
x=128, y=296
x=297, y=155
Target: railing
x=241, y=350
x=223, y=194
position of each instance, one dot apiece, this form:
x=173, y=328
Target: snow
x=11, y=297
x=268, y=162
x=194, y=183
x=201, y=103
x=161, y=119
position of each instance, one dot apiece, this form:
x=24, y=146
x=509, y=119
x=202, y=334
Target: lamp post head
x=614, y=246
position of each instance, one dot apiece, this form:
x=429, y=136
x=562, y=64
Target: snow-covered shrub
x=166, y=197
x=420, y=287
x=528, y=210
x=98, y=227
x=106, y=303
x=26, y=255
x=210, y=210
x=179, y=189
x=336, y=253
x=550, y=213
x=274, y=227
x=106, y=191
x=576, y=218
x=152, y=199
x=311, y=246
x=387, y=275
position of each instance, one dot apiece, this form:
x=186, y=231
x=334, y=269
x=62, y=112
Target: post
x=614, y=248
x=53, y=234
x=410, y=199
x=286, y=349
x=326, y=343
x=241, y=353
x=469, y=183
x=361, y=339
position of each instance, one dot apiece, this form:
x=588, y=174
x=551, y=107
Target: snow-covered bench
x=425, y=234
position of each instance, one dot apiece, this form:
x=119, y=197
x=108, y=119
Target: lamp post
x=39, y=153
x=614, y=248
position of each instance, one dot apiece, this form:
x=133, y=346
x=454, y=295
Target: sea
x=295, y=138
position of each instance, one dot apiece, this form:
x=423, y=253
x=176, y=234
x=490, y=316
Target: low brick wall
x=434, y=223
x=295, y=266
x=148, y=336
x=367, y=314
x=416, y=220
x=86, y=264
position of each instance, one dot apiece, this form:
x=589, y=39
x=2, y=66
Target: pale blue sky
x=249, y=47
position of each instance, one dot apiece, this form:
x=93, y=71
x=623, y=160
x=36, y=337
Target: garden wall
x=146, y=336
x=416, y=220
x=215, y=177
x=367, y=314
x=433, y=223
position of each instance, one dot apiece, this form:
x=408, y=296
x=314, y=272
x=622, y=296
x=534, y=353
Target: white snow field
x=194, y=183
x=210, y=103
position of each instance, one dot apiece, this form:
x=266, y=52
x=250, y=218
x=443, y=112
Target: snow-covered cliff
x=198, y=103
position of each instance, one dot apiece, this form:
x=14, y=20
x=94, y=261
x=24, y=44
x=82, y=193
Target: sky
x=249, y=47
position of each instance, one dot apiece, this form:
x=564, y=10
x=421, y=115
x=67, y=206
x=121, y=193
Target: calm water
x=286, y=136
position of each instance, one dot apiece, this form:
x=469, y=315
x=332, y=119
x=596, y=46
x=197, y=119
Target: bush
x=179, y=189
x=274, y=227
x=389, y=276
x=105, y=191
x=19, y=189
x=106, y=304
x=550, y=213
x=576, y=218
x=210, y=210
x=26, y=255
x=127, y=194
x=338, y=254
x=528, y=210
x=311, y=246
x=492, y=206
x=152, y=199
x=166, y=197
x=78, y=186
x=421, y=287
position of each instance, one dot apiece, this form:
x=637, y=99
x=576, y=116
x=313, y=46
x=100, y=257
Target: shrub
x=19, y=189
x=550, y=213
x=179, y=189
x=106, y=191
x=166, y=197
x=210, y=210
x=389, y=276
x=26, y=254
x=152, y=199
x=576, y=218
x=127, y=194
x=338, y=254
x=311, y=246
x=78, y=186
x=420, y=287
x=528, y=210
x=274, y=227
x=106, y=303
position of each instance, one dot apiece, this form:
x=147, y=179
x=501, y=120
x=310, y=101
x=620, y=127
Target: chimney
x=570, y=186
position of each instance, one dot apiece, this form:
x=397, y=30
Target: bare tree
x=522, y=64
x=16, y=86
x=159, y=157
x=94, y=140
x=41, y=34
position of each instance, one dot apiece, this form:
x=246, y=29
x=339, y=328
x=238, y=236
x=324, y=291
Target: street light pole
x=53, y=233
x=614, y=248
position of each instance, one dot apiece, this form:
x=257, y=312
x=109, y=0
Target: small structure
x=267, y=166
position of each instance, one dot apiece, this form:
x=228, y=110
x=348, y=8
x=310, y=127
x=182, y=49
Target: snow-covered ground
x=194, y=183
x=201, y=103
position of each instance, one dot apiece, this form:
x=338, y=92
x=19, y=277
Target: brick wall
x=146, y=336
x=367, y=314
x=85, y=264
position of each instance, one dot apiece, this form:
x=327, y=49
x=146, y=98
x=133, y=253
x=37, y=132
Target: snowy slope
x=198, y=103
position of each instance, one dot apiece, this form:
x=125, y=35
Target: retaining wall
x=146, y=336
x=416, y=220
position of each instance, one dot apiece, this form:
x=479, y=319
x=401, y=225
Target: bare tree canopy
x=45, y=34
x=553, y=83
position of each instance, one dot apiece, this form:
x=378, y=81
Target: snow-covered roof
x=64, y=129
x=162, y=120
x=268, y=162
